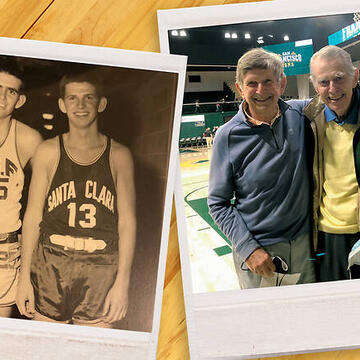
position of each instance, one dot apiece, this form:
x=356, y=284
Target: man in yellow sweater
x=334, y=116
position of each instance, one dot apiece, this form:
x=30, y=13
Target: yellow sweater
x=338, y=209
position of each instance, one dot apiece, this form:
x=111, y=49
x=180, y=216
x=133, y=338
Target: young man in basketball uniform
x=17, y=146
x=79, y=227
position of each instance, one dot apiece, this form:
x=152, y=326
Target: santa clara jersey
x=11, y=183
x=81, y=200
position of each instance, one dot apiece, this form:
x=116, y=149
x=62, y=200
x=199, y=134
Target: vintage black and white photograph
x=267, y=196
x=85, y=194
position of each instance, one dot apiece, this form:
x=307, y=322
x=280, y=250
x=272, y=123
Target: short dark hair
x=79, y=77
x=11, y=66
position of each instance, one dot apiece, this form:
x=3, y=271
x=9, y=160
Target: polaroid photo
x=223, y=321
x=100, y=128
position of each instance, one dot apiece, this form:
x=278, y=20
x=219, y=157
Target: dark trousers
x=332, y=255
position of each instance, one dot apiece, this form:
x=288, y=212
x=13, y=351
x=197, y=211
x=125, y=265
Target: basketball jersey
x=11, y=183
x=81, y=200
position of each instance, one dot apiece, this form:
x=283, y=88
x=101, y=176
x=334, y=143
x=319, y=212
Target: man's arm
x=43, y=161
x=116, y=302
x=226, y=216
x=27, y=141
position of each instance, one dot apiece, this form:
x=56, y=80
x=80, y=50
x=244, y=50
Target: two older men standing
x=260, y=158
x=259, y=190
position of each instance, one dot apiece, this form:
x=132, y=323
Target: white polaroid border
x=21, y=339
x=271, y=321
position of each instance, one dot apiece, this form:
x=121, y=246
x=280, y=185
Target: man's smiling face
x=261, y=90
x=10, y=97
x=81, y=104
x=334, y=85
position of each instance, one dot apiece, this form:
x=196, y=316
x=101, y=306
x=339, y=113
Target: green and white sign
x=346, y=33
x=295, y=56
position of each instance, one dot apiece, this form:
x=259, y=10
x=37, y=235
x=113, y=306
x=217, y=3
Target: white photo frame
x=271, y=321
x=24, y=339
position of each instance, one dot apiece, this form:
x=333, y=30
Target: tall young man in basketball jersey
x=79, y=227
x=17, y=146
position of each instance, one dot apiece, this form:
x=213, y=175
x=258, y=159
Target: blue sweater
x=265, y=169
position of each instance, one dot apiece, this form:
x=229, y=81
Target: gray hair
x=332, y=53
x=259, y=59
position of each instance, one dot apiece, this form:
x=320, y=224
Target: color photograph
x=265, y=199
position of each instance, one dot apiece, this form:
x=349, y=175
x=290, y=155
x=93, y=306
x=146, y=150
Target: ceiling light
x=183, y=33
x=234, y=35
x=303, y=42
x=227, y=35
x=286, y=37
x=247, y=36
x=48, y=126
x=260, y=41
x=47, y=116
x=174, y=33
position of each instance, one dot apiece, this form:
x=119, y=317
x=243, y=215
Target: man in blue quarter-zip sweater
x=259, y=158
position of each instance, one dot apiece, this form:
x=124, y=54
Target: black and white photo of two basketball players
x=88, y=143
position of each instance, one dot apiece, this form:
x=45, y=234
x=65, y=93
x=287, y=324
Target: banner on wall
x=198, y=120
x=295, y=56
x=346, y=33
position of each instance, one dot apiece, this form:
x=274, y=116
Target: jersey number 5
x=86, y=212
x=3, y=189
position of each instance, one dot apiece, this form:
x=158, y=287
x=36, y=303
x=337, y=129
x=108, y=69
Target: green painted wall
x=188, y=129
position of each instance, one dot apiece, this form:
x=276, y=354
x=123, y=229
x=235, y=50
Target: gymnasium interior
x=211, y=99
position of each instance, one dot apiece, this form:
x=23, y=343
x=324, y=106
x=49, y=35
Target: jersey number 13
x=84, y=216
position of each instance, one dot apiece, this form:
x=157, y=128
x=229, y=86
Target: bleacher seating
x=187, y=142
x=198, y=141
x=207, y=108
x=204, y=96
x=193, y=141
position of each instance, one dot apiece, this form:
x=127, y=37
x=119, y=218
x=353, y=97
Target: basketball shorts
x=9, y=272
x=71, y=284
